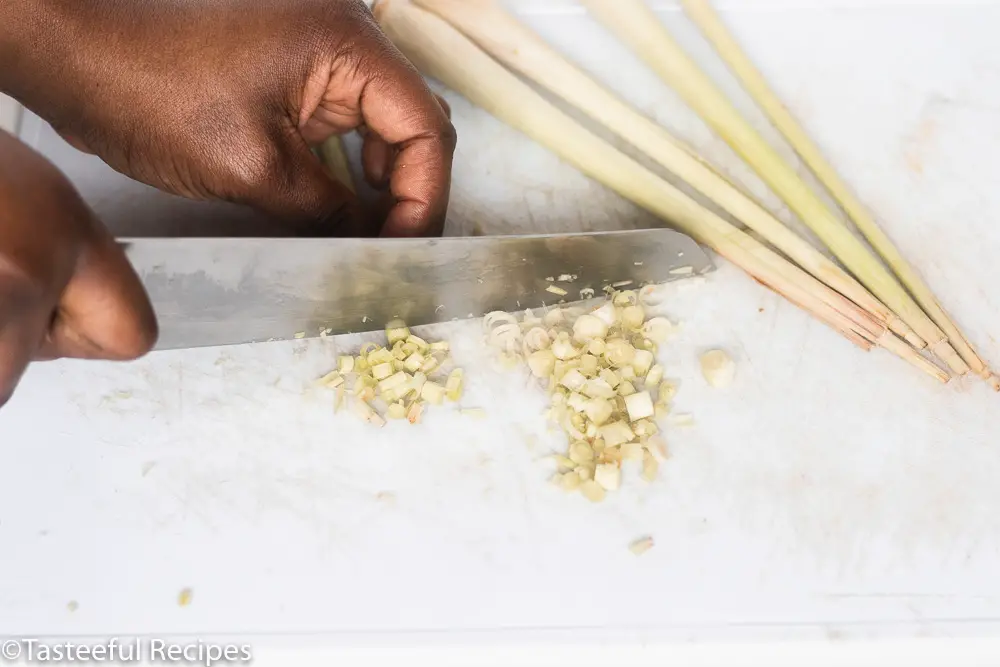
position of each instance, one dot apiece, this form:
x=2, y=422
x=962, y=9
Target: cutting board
x=827, y=493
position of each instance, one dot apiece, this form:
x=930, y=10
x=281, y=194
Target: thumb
x=299, y=190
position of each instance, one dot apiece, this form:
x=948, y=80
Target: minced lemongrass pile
x=398, y=381
x=607, y=391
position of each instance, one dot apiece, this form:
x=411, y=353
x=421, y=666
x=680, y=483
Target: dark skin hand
x=66, y=288
x=207, y=99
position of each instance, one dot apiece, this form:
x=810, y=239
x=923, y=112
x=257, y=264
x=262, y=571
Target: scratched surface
x=827, y=493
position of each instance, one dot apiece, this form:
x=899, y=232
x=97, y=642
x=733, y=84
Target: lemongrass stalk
x=502, y=36
x=638, y=26
x=442, y=52
x=711, y=25
x=335, y=160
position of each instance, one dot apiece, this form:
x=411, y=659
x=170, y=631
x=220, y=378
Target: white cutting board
x=828, y=493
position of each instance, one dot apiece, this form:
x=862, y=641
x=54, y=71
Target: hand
x=223, y=99
x=66, y=288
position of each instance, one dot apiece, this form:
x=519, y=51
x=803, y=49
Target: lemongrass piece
x=642, y=362
x=453, y=385
x=641, y=546
x=609, y=476
x=592, y=491
x=505, y=38
x=654, y=375
x=650, y=466
x=616, y=433
x=639, y=27
x=718, y=368
x=598, y=410
x=415, y=412
x=433, y=393
x=639, y=406
x=443, y=53
x=335, y=160
x=345, y=364
x=711, y=25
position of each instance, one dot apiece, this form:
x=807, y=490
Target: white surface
x=828, y=494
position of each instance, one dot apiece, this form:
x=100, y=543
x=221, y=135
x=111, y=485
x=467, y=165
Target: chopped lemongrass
x=332, y=379
x=475, y=413
x=644, y=428
x=453, y=386
x=626, y=388
x=598, y=388
x=570, y=481
x=650, y=466
x=718, y=368
x=632, y=451
x=559, y=291
x=430, y=365
x=574, y=380
x=641, y=546
x=609, y=376
x=639, y=406
x=433, y=393
x=581, y=453
x=396, y=411
x=642, y=362
x=589, y=327
x=658, y=448
x=654, y=375
x=542, y=363
x=346, y=364
x=396, y=330
x=668, y=390
x=564, y=462
x=592, y=491
x=598, y=410
x=415, y=412
x=616, y=433
x=394, y=381
x=577, y=401
x=414, y=362
x=609, y=476
x=381, y=376
x=658, y=329
x=633, y=317
x=620, y=352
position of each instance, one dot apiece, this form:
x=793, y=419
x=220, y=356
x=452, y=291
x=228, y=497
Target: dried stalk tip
x=718, y=368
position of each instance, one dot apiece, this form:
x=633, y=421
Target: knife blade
x=216, y=292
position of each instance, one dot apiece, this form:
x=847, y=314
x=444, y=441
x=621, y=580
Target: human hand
x=223, y=99
x=66, y=288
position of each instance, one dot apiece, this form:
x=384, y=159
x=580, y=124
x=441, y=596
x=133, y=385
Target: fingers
x=377, y=158
x=25, y=313
x=398, y=107
x=287, y=181
x=104, y=311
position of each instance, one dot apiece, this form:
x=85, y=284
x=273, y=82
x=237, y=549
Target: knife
x=215, y=292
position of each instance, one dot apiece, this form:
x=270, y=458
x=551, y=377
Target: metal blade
x=210, y=292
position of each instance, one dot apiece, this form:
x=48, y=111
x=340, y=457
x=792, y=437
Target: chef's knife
x=209, y=292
